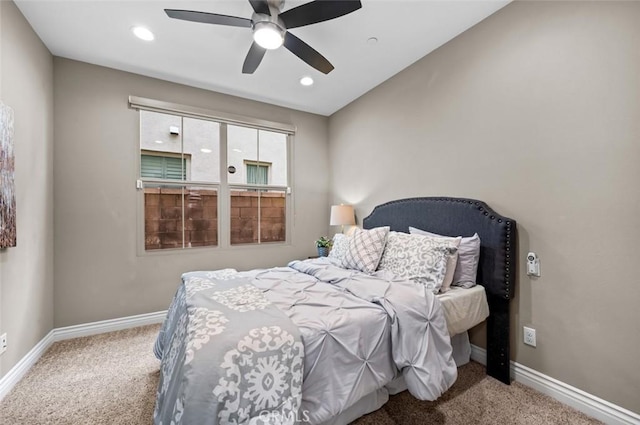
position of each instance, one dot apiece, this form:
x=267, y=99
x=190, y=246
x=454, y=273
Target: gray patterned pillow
x=468, y=257
x=365, y=249
x=339, y=247
x=419, y=258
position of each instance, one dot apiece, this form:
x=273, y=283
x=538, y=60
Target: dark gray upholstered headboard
x=497, y=265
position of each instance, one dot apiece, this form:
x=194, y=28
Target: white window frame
x=223, y=187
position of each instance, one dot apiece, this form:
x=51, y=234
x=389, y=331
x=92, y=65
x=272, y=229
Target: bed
x=317, y=343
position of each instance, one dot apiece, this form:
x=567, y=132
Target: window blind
x=163, y=167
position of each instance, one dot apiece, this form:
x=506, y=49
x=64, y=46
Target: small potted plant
x=323, y=244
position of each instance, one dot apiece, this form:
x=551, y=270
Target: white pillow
x=452, y=260
x=468, y=257
x=365, y=249
x=339, y=248
x=419, y=258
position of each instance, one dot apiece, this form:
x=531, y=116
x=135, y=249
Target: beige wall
x=98, y=273
x=26, y=271
x=536, y=111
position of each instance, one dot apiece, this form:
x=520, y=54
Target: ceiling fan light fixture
x=268, y=35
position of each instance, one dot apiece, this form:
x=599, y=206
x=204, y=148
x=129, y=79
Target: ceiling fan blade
x=253, y=59
x=208, y=18
x=260, y=6
x=318, y=11
x=307, y=53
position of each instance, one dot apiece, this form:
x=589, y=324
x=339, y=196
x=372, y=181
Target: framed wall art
x=7, y=184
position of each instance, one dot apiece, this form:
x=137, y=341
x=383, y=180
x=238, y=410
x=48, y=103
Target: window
x=163, y=167
x=257, y=174
x=259, y=192
x=181, y=181
x=195, y=195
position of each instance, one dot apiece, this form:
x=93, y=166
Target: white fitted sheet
x=464, y=308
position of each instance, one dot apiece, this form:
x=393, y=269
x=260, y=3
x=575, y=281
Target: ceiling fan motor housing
x=276, y=4
x=259, y=18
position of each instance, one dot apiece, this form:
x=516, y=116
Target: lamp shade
x=342, y=215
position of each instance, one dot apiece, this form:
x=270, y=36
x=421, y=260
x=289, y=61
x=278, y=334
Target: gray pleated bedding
x=231, y=346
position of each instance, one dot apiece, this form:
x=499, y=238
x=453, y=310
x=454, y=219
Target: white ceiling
x=211, y=56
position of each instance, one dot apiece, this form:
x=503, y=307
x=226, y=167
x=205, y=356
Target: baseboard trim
x=589, y=404
x=112, y=325
x=59, y=334
x=479, y=354
x=17, y=372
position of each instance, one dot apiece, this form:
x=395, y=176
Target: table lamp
x=341, y=215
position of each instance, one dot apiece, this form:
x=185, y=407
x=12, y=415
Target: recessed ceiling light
x=205, y=150
x=143, y=33
x=306, y=81
x=159, y=142
x=372, y=40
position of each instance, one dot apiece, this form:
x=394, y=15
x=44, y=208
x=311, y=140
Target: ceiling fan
x=270, y=27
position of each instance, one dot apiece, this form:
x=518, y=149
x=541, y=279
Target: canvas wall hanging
x=7, y=184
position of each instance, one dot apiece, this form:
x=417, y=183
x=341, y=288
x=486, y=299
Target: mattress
x=464, y=308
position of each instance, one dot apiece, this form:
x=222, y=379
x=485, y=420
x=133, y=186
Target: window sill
x=209, y=249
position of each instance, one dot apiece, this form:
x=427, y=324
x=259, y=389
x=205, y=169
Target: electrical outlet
x=530, y=336
x=3, y=343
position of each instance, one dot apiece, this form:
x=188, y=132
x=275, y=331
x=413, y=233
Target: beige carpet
x=111, y=379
